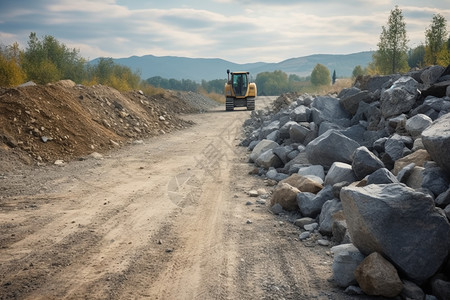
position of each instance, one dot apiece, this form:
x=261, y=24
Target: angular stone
x=303, y=184
x=351, y=102
x=339, y=172
x=310, y=204
x=417, y=124
x=339, y=230
x=440, y=288
x=431, y=74
x=261, y=147
x=315, y=170
x=346, y=259
x=268, y=159
x=277, y=209
x=329, y=209
x=330, y=147
x=284, y=130
x=266, y=130
x=274, y=136
x=414, y=180
x=377, y=277
x=418, y=157
x=436, y=139
x=298, y=133
x=443, y=199
x=282, y=153
x=411, y=291
x=389, y=219
x=300, y=114
x=365, y=162
x=400, y=97
x=394, y=147
x=376, y=83
x=382, y=176
x=403, y=174
x=285, y=195
x=435, y=180
x=326, y=108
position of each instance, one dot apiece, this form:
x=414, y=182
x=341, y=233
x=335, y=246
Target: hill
x=198, y=69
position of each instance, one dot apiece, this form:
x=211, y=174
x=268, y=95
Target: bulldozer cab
x=240, y=83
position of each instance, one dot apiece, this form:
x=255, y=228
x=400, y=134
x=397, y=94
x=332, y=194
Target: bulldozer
x=239, y=91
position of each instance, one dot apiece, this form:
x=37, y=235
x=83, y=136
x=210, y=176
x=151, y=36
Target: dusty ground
x=166, y=219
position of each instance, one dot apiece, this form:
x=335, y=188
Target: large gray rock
x=346, y=259
x=298, y=133
x=313, y=170
x=435, y=180
x=395, y=147
x=330, y=147
x=339, y=172
x=268, y=159
x=282, y=153
x=284, y=130
x=325, y=126
x=300, y=114
x=330, y=208
x=365, y=162
x=400, y=97
x=356, y=133
x=436, y=139
x=417, y=124
x=261, y=147
x=401, y=224
x=266, y=130
x=382, y=176
x=311, y=204
x=375, y=83
x=431, y=74
x=377, y=277
x=326, y=108
x=443, y=199
x=351, y=102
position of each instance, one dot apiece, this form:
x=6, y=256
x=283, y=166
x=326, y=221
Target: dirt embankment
x=64, y=121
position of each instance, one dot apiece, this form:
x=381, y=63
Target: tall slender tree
x=391, y=56
x=435, y=39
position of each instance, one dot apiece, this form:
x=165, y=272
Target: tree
x=391, y=56
x=272, y=83
x=357, y=71
x=49, y=60
x=320, y=75
x=435, y=39
x=416, y=57
x=11, y=73
x=333, y=78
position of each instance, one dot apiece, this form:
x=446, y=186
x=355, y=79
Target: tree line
x=393, y=54
x=48, y=60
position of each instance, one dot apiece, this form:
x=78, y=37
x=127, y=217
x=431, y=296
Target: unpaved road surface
x=163, y=219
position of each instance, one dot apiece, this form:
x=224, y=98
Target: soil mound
x=64, y=121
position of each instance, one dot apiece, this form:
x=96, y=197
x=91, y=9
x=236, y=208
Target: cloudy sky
x=241, y=31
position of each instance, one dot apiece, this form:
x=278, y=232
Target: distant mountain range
x=198, y=69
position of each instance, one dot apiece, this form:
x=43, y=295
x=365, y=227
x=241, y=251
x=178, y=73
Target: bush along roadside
x=371, y=167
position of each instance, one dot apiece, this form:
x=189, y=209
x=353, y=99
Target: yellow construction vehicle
x=239, y=91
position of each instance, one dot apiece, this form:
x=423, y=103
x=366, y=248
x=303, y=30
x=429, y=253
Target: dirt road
x=162, y=219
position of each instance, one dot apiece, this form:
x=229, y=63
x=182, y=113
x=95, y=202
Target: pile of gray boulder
x=369, y=172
